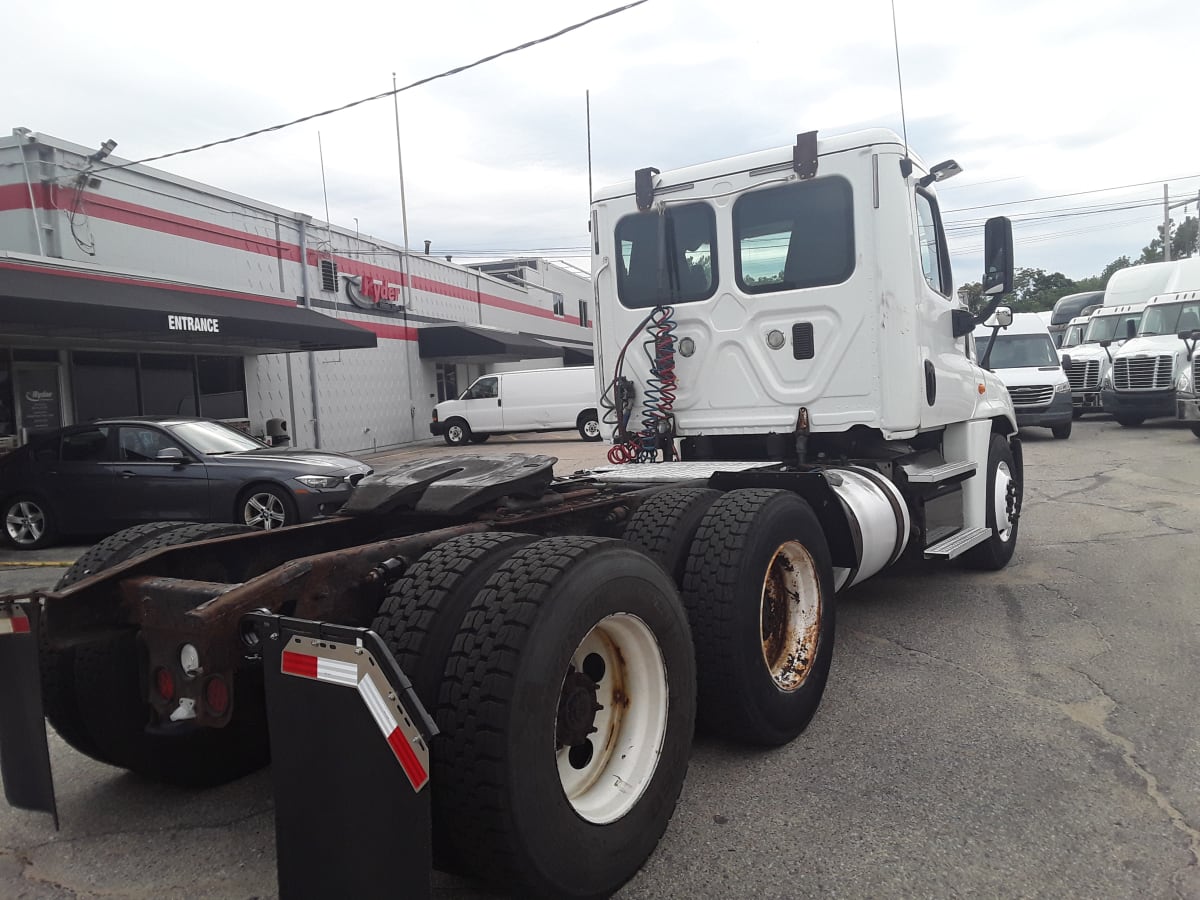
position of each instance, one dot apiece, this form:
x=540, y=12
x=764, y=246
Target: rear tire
x=111, y=699
x=479, y=438
x=564, y=626
x=1003, y=491
x=663, y=526
x=1061, y=432
x=589, y=425
x=760, y=597
x=423, y=611
x=1128, y=421
x=457, y=433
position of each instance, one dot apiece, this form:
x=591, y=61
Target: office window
x=583, y=313
x=558, y=304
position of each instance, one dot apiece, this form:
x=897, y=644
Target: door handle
x=127, y=474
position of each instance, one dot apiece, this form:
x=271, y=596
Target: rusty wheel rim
x=612, y=718
x=790, y=616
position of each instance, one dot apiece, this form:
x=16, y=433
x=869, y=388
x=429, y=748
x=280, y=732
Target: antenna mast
x=900, y=84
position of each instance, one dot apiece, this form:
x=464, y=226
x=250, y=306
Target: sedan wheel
x=27, y=523
x=266, y=508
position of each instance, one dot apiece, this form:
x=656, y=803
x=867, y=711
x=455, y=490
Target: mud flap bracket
x=350, y=762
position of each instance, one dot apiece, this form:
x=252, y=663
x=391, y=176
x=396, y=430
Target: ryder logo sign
x=377, y=296
x=194, y=323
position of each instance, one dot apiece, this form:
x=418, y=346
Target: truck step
x=918, y=474
x=958, y=543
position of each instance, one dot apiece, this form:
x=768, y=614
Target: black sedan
x=109, y=474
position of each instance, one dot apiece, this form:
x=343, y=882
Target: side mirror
x=1066, y=360
x=1001, y=318
x=170, y=454
x=997, y=257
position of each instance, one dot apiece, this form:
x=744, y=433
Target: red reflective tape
x=408, y=759
x=20, y=625
x=299, y=664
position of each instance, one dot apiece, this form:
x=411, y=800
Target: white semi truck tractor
x=507, y=665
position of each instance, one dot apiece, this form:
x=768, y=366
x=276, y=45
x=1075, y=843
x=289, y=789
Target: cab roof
x=869, y=137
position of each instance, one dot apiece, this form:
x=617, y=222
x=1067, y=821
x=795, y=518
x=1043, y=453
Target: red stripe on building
x=16, y=196
x=408, y=759
x=299, y=664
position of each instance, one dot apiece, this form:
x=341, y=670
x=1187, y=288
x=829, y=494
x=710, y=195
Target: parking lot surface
x=1032, y=732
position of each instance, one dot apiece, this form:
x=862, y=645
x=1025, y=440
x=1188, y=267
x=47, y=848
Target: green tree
x=1183, y=242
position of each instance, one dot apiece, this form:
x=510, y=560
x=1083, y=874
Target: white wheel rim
x=265, y=511
x=25, y=523
x=591, y=428
x=605, y=781
x=455, y=433
x=790, y=616
x=1000, y=501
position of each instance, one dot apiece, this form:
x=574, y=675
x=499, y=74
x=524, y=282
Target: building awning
x=69, y=307
x=573, y=354
x=463, y=343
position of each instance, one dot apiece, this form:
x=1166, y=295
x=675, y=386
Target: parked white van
x=510, y=402
x=1024, y=356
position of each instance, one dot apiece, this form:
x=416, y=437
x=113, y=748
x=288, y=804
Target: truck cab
x=1087, y=362
x=1145, y=371
x=1187, y=385
x=796, y=306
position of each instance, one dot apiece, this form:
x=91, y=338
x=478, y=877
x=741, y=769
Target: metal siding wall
x=155, y=224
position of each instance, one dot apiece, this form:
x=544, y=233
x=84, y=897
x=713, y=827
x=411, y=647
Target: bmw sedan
x=107, y=475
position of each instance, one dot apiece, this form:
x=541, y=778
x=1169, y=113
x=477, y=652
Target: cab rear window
x=667, y=257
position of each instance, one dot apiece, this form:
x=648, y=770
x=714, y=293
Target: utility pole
x=1167, y=207
x=1166, y=225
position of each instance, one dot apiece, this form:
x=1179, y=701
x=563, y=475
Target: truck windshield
x=667, y=257
x=1074, y=336
x=1110, y=328
x=1020, y=351
x=1171, y=318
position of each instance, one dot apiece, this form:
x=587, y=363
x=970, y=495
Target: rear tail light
x=435, y=418
x=164, y=683
x=216, y=695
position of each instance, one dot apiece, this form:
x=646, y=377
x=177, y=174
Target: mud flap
x=349, y=763
x=24, y=751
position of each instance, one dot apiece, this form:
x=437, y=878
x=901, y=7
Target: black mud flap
x=24, y=751
x=349, y=763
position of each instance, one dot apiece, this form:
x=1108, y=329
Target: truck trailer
x=503, y=666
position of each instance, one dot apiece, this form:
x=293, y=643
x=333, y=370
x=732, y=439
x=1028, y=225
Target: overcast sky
x=1034, y=98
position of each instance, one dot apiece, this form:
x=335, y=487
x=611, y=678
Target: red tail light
x=164, y=683
x=216, y=695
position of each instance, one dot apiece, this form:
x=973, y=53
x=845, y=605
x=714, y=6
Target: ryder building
x=131, y=291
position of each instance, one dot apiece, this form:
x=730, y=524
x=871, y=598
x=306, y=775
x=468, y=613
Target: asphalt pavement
x=1027, y=733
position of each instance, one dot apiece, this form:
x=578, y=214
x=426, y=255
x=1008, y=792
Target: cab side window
x=931, y=242
x=483, y=389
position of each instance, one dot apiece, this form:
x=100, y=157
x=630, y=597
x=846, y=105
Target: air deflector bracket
x=804, y=155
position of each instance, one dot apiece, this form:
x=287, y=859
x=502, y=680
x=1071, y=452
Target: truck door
x=949, y=379
x=482, y=405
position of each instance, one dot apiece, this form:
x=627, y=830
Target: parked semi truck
x=1187, y=386
x=1086, y=363
x=784, y=373
x=1145, y=371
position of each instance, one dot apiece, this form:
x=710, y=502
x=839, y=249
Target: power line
x=408, y=87
x=1120, y=187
